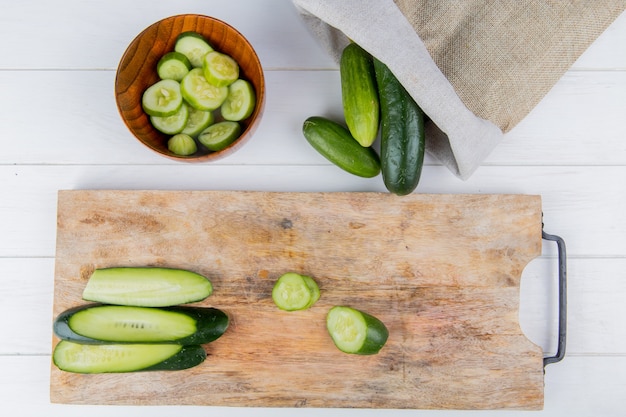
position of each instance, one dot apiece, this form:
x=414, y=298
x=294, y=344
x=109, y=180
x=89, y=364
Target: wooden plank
x=442, y=271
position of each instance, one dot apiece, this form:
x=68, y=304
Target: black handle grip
x=560, y=352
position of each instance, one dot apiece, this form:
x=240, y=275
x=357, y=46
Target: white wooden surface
x=60, y=130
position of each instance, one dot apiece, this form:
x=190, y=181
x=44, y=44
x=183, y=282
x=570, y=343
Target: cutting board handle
x=560, y=352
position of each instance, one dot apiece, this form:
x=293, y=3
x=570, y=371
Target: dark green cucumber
x=100, y=323
x=335, y=143
x=354, y=331
x=402, y=137
x=359, y=94
x=113, y=358
x=146, y=287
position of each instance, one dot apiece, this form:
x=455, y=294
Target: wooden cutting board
x=441, y=271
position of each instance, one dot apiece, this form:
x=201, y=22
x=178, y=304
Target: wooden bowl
x=137, y=71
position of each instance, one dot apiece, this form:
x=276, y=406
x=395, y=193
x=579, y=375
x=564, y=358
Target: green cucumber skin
x=402, y=138
x=377, y=335
x=335, y=143
x=211, y=324
x=359, y=94
x=187, y=357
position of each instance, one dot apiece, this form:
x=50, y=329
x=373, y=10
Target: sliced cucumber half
x=173, y=66
x=354, y=331
x=171, y=125
x=201, y=94
x=194, y=46
x=146, y=286
x=220, y=69
x=240, y=102
x=162, y=99
x=114, y=358
x=219, y=135
x=198, y=121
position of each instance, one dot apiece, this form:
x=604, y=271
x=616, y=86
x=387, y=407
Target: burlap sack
x=476, y=67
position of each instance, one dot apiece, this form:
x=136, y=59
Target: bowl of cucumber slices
x=191, y=88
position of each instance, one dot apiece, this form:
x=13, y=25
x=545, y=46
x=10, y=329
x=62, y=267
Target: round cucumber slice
x=198, y=121
x=162, y=99
x=194, y=46
x=293, y=291
x=201, y=94
x=173, y=66
x=182, y=145
x=170, y=125
x=220, y=69
x=219, y=135
x=240, y=102
x=354, y=331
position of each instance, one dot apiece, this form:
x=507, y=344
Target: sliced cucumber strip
x=240, y=101
x=198, y=121
x=293, y=292
x=170, y=125
x=194, y=46
x=220, y=69
x=146, y=287
x=201, y=94
x=162, y=99
x=219, y=135
x=101, y=323
x=182, y=144
x=113, y=358
x=354, y=331
x=173, y=66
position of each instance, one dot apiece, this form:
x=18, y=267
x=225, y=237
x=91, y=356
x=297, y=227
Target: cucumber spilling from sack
x=104, y=324
x=197, y=87
x=358, y=94
x=402, y=137
x=116, y=358
x=146, y=286
x=375, y=104
x=334, y=142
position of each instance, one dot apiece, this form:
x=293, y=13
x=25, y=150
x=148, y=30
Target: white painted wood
x=60, y=130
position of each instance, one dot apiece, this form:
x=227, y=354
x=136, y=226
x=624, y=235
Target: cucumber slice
x=240, y=101
x=354, y=331
x=170, y=125
x=182, y=144
x=220, y=69
x=146, y=287
x=173, y=66
x=293, y=292
x=314, y=288
x=194, y=46
x=219, y=135
x=201, y=94
x=198, y=121
x=98, y=324
x=113, y=358
x=162, y=99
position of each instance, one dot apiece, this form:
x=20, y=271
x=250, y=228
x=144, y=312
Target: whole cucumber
x=402, y=138
x=359, y=94
x=335, y=143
